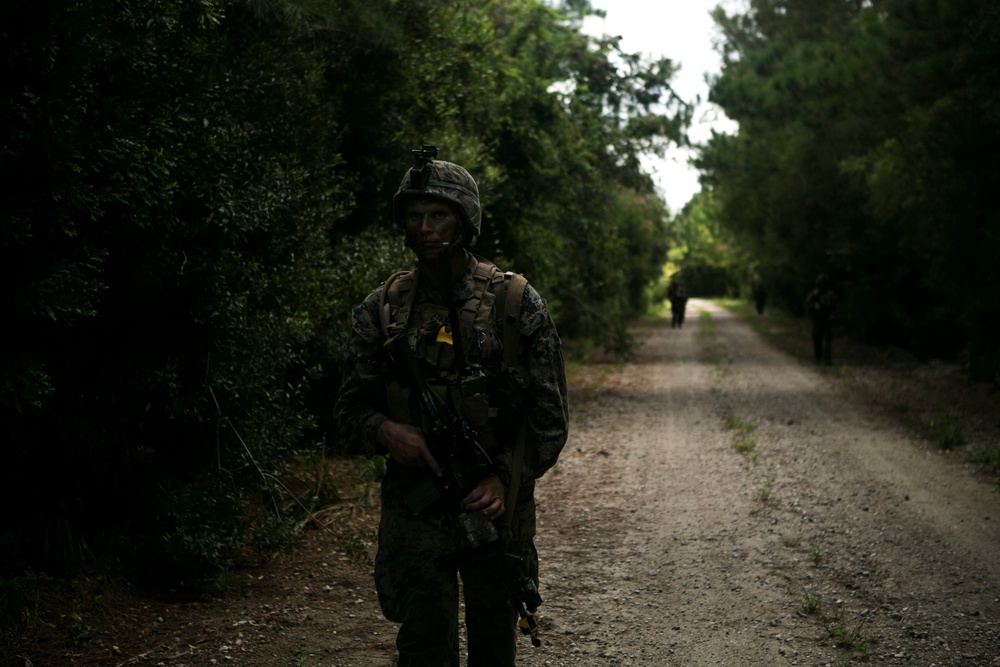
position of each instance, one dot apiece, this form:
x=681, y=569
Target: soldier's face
x=429, y=224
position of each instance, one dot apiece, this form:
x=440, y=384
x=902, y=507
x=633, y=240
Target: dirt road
x=723, y=504
x=719, y=503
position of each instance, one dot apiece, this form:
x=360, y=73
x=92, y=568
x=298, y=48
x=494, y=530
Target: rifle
x=451, y=440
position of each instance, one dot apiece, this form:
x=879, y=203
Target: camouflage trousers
x=417, y=569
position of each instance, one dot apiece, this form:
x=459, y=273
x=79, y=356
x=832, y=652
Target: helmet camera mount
x=419, y=173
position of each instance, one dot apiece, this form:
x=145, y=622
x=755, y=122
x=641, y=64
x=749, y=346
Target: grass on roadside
x=986, y=455
x=588, y=367
x=946, y=430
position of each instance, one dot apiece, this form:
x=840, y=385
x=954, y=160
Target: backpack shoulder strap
x=510, y=310
x=514, y=286
x=398, y=293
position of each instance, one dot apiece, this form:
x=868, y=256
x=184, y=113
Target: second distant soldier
x=821, y=303
x=759, y=294
x=677, y=294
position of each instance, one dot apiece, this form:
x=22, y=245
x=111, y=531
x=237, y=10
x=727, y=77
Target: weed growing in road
x=813, y=603
x=844, y=635
x=816, y=555
x=853, y=639
x=736, y=423
x=744, y=441
x=765, y=491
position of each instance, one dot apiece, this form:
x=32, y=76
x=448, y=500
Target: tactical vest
x=428, y=332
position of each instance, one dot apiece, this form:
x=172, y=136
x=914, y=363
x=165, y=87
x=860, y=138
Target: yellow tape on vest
x=444, y=336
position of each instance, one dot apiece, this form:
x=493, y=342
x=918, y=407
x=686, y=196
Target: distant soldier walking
x=677, y=294
x=759, y=294
x=821, y=303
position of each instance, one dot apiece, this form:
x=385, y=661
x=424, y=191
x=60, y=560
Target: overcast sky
x=681, y=30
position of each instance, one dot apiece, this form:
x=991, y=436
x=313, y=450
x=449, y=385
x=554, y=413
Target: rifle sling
x=515, y=478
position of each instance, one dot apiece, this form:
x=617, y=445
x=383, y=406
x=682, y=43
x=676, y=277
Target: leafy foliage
x=708, y=257
x=197, y=195
x=866, y=149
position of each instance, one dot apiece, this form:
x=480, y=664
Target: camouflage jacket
x=533, y=392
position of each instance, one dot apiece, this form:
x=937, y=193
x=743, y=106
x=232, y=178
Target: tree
x=865, y=130
x=167, y=244
x=198, y=195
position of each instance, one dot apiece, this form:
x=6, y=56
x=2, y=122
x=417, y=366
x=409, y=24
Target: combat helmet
x=444, y=181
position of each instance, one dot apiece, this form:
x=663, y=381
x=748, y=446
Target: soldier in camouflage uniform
x=677, y=293
x=525, y=410
x=821, y=302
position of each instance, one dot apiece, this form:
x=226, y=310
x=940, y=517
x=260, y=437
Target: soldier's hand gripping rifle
x=450, y=440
